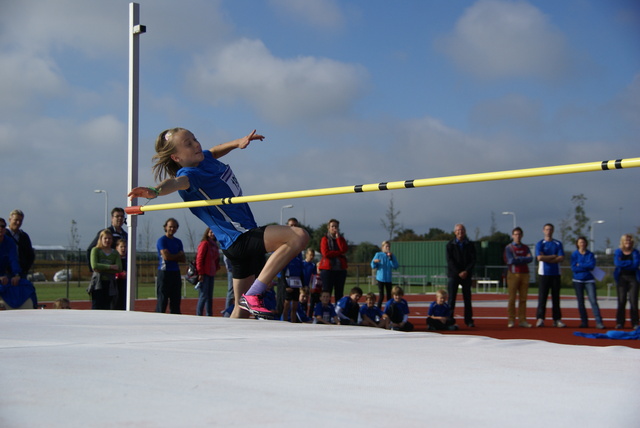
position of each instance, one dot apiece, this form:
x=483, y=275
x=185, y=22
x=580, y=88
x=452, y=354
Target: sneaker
x=255, y=305
x=559, y=324
x=600, y=326
x=471, y=324
x=511, y=324
x=618, y=326
x=453, y=327
x=525, y=324
x=583, y=325
x=540, y=322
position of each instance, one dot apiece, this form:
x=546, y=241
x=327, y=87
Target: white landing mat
x=68, y=368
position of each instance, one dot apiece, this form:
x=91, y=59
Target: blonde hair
x=61, y=303
x=164, y=166
x=102, y=233
x=397, y=291
x=623, y=237
x=442, y=292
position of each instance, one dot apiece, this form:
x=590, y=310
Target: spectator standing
x=461, y=260
x=207, y=264
x=230, y=299
x=582, y=264
x=121, y=277
x=333, y=265
x=384, y=262
x=517, y=256
x=117, y=231
x=311, y=279
x=549, y=253
x=105, y=263
x=170, y=253
x=627, y=276
x=15, y=290
x=26, y=254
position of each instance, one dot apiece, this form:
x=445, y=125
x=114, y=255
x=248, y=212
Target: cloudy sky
x=346, y=92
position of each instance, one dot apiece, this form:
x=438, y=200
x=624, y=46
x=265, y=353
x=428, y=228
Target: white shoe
x=540, y=322
x=525, y=324
x=511, y=324
x=559, y=324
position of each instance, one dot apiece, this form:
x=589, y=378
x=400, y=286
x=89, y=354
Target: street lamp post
x=106, y=207
x=282, y=211
x=593, y=223
x=514, y=217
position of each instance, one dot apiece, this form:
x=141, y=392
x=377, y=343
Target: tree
x=437, y=234
x=74, y=236
x=407, y=235
x=391, y=225
x=364, y=252
x=580, y=220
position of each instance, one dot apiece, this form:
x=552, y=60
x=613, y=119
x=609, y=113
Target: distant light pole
x=592, y=224
x=514, y=217
x=106, y=207
x=282, y=211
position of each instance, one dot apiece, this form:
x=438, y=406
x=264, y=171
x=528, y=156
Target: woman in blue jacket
x=384, y=262
x=582, y=264
x=627, y=276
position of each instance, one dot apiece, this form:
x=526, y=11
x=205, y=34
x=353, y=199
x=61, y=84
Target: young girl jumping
x=181, y=165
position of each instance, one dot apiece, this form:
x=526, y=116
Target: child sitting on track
x=397, y=310
x=371, y=315
x=439, y=315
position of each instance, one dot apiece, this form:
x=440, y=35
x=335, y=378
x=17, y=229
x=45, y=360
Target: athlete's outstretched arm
x=167, y=187
x=240, y=143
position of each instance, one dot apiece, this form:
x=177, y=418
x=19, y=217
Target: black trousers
x=168, y=290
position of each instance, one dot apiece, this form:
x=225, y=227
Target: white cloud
x=497, y=39
x=281, y=90
x=317, y=13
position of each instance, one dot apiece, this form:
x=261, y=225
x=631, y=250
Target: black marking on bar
x=382, y=186
x=358, y=188
x=409, y=184
x=604, y=165
x=226, y=201
x=618, y=163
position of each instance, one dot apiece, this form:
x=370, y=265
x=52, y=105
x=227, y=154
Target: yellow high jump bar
x=407, y=184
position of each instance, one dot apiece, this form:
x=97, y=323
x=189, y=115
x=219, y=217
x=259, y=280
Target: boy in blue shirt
x=397, y=310
x=347, y=307
x=324, y=312
x=439, y=315
x=370, y=315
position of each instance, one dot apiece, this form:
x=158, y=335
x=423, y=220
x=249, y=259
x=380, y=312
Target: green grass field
x=49, y=291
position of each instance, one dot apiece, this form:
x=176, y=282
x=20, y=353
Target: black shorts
x=248, y=254
x=294, y=294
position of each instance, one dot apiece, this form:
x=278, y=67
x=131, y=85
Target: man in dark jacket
x=26, y=254
x=461, y=259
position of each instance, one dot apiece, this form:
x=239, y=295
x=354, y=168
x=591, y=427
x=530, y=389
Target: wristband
x=154, y=190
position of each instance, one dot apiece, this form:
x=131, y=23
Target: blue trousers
x=593, y=300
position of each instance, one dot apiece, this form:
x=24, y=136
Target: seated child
x=324, y=312
x=347, y=307
x=302, y=310
x=397, y=310
x=370, y=315
x=439, y=315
